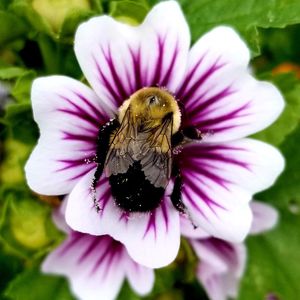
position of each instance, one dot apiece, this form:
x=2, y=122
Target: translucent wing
x=119, y=156
x=155, y=154
x=151, y=147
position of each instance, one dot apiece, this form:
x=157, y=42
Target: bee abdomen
x=133, y=192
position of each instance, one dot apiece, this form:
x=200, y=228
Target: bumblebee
x=134, y=150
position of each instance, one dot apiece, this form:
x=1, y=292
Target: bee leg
x=176, y=194
x=185, y=136
x=103, y=140
x=97, y=175
x=192, y=133
x=177, y=139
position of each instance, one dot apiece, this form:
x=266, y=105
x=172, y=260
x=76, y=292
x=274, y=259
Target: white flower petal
x=58, y=217
x=152, y=239
x=188, y=230
x=95, y=266
x=118, y=59
x=68, y=114
x=219, y=181
x=219, y=95
x=265, y=217
x=221, y=267
x=141, y=279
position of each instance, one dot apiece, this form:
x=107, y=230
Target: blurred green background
x=36, y=39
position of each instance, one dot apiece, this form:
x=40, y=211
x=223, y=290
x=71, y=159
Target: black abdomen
x=133, y=192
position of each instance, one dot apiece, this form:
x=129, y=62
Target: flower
x=220, y=174
x=222, y=264
x=96, y=266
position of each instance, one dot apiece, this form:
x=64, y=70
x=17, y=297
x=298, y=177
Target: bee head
x=152, y=105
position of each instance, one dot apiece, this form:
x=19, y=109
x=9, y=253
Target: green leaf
x=22, y=87
x=129, y=11
x=96, y=6
x=9, y=267
x=71, y=22
x=273, y=258
x=26, y=228
x=127, y=293
x=11, y=72
x=245, y=16
x=24, y=10
x=3, y=132
x=287, y=188
x=20, y=122
x=272, y=263
x=51, y=55
x=289, y=37
x=289, y=119
x=4, y=4
x=32, y=285
x=15, y=155
x=58, y=58
x=11, y=27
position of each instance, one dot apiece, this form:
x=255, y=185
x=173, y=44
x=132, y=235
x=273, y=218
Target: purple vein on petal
x=151, y=224
x=111, y=251
x=193, y=203
x=115, y=253
x=223, y=158
x=202, y=194
x=129, y=82
x=100, y=115
x=136, y=62
x=91, y=131
x=192, y=90
x=180, y=93
x=124, y=217
x=204, y=197
x=222, y=128
x=79, y=137
x=105, y=196
x=213, y=153
x=123, y=94
x=81, y=174
x=159, y=63
x=224, y=248
x=102, y=257
x=165, y=215
x=237, y=113
x=200, y=169
x=73, y=163
x=75, y=238
x=170, y=69
x=103, y=201
x=187, y=96
x=104, y=80
x=200, y=107
x=79, y=112
x=89, y=250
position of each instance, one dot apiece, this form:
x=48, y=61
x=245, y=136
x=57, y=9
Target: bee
x=134, y=150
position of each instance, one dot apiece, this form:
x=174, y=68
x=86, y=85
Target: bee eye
x=153, y=100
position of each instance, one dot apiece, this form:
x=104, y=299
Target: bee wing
x=119, y=156
x=156, y=155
